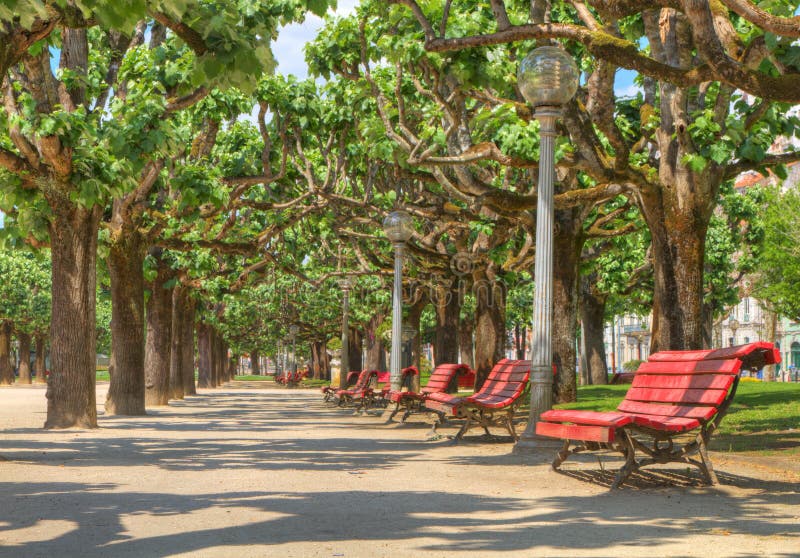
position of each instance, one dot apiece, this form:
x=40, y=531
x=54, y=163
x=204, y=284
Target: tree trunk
x=567, y=245
x=222, y=360
x=520, y=334
x=413, y=319
x=40, y=363
x=125, y=268
x=316, y=365
x=490, y=324
x=204, y=353
x=770, y=330
x=592, y=312
x=678, y=245
x=24, y=358
x=466, y=345
x=677, y=210
x=355, y=339
x=255, y=365
x=187, y=346
x=176, y=344
x=159, y=338
x=448, y=310
x=71, y=399
x=6, y=368
x=376, y=353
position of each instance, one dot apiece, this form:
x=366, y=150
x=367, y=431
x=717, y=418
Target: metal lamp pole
x=398, y=228
x=547, y=78
x=345, y=283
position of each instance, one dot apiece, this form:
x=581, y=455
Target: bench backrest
x=444, y=378
x=407, y=377
x=508, y=379
x=364, y=378
x=692, y=384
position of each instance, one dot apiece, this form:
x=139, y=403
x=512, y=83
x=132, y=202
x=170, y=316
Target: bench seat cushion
x=490, y=401
x=666, y=424
x=398, y=396
x=443, y=402
x=587, y=417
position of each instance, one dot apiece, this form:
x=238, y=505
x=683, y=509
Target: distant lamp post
x=345, y=283
x=293, y=330
x=734, y=325
x=548, y=79
x=398, y=227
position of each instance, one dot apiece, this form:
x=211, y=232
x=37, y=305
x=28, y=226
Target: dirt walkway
x=250, y=472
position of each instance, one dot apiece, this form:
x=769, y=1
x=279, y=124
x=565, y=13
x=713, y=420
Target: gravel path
x=248, y=472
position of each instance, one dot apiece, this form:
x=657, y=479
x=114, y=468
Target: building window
x=746, y=340
x=730, y=341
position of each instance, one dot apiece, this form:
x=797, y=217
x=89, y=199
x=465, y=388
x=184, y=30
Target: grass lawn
x=253, y=378
x=764, y=417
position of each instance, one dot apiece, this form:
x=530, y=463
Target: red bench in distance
x=343, y=397
x=675, y=403
x=446, y=378
x=493, y=405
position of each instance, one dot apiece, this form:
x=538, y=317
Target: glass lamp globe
x=407, y=333
x=293, y=330
x=398, y=226
x=548, y=76
x=345, y=283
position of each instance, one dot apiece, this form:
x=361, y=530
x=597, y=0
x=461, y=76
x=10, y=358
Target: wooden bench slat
x=667, y=424
x=690, y=367
x=593, y=418
x=727, y=353
x=667, y=410
x=603, y=434
x=691, y=396
x=714, y=381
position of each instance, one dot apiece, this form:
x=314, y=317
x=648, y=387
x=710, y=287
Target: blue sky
x=288, y=49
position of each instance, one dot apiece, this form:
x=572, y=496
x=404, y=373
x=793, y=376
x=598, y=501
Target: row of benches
x=676, y=401
x=493, y=405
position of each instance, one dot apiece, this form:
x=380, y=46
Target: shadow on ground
x=97, y=516
x=95, y=519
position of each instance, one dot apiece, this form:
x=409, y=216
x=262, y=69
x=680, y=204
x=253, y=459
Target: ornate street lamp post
x=734, y=325
x=547, y=78
x=293, y=329
x=345, y=283
x=398, y=227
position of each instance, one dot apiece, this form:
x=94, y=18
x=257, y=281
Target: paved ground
x=250, y=472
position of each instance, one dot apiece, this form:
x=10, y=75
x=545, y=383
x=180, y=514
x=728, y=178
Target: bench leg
x=630, y=462
x=463, y=430
x=561, y=455
x=705, y=465
x=394, y=412
x=406, y=414
x=510, y=426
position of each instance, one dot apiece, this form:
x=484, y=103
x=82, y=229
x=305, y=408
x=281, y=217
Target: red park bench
x=675, y=403
x=494, y=404
x=382, y=397
x=290, y=379
x=329, y=392
x=446, y=378
x=343, y=397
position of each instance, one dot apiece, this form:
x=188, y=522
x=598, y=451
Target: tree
x=687, y=133
x=56, y=145
x=778, y=271
x=24, y=308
